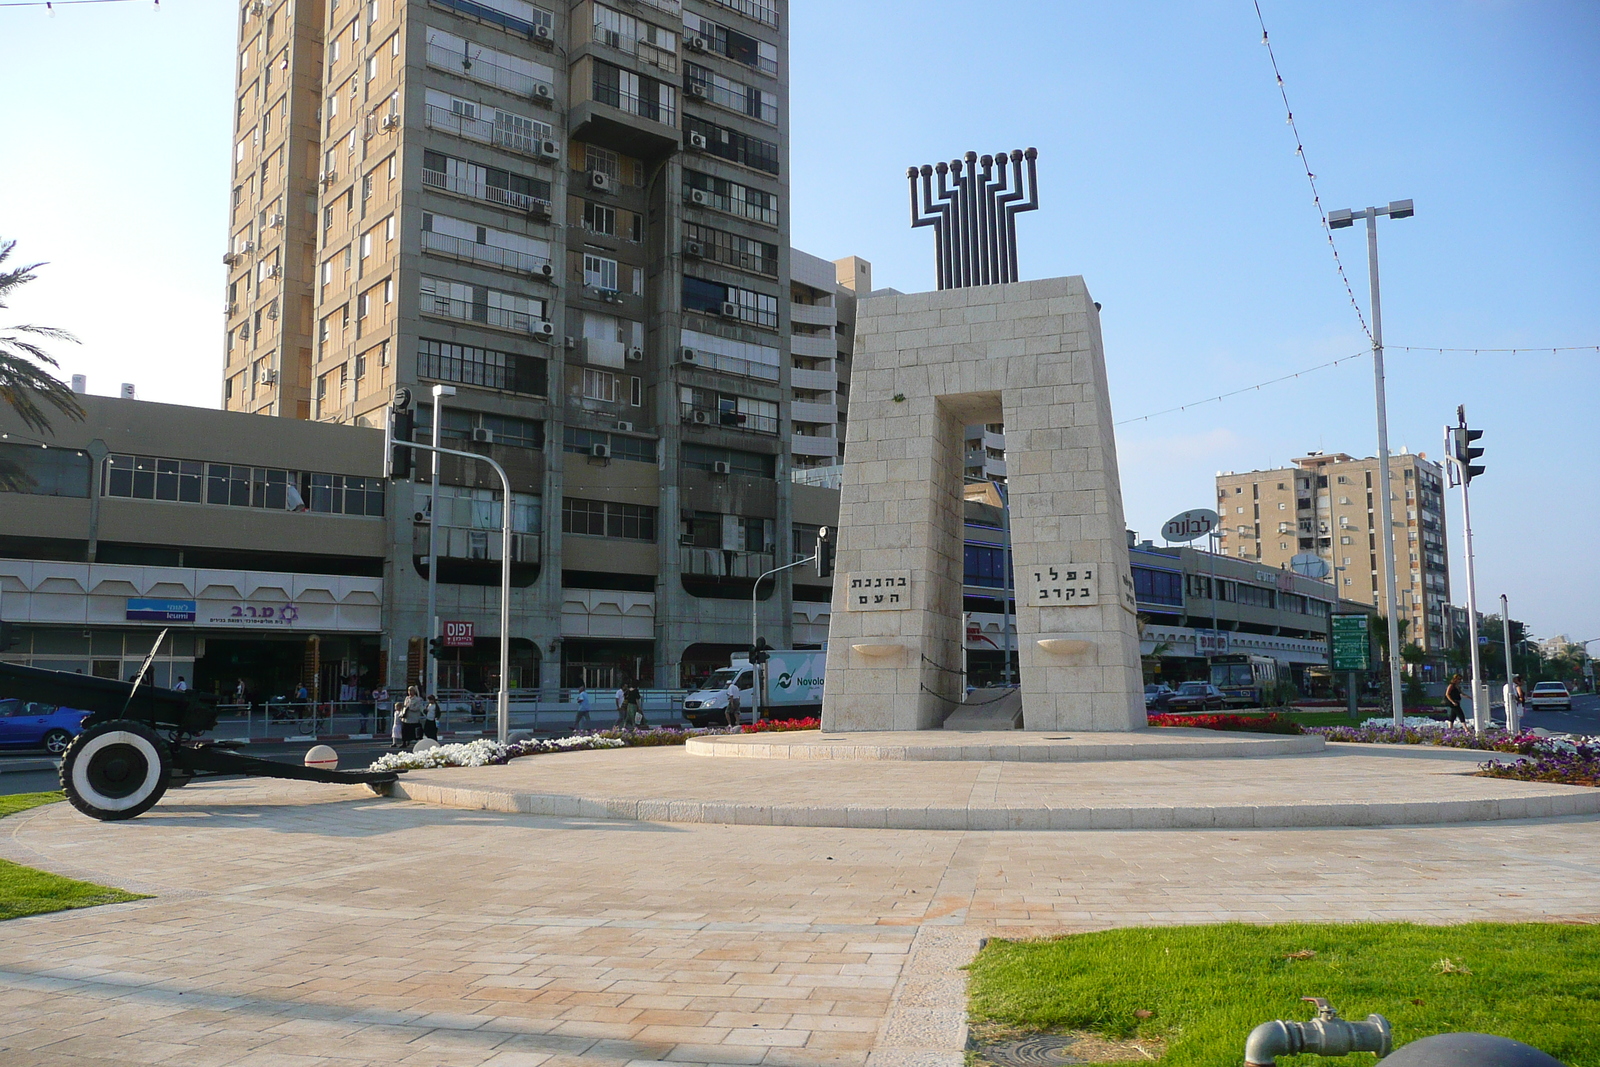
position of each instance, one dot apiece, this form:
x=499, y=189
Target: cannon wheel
x=116, y=770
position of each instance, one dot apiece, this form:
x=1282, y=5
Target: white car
x=1550, y=696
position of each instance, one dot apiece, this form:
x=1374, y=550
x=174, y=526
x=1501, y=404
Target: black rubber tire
x=57, y=741
x=116, y=770
x=382, y=789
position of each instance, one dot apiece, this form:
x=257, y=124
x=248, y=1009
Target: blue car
x=25, y=724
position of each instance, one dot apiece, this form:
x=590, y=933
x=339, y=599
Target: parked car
x=1550, y=696
x=25, y=724
x=1193, y=696
x=1153, y=693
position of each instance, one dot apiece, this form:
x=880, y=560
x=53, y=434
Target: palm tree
x=23, y=383
x=25, y=386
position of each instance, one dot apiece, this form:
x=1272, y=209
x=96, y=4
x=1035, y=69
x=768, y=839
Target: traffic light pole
x=758, y=690
x=1480, y=705
x=432, y=684
x=503, y=701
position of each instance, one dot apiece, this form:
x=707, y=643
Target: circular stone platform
x=1341, y=785
x=1005, y=746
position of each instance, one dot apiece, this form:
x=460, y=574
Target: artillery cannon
x=138, y=741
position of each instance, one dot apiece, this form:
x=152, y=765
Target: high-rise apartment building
x=1326, y=504
x=577, y=216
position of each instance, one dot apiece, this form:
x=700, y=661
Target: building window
x=705, y=458
x=581, y=442
x=597, y=218
x=600, y=272
x=734, y=146
x=601, y=385
x=605, y=518
x=486, y=367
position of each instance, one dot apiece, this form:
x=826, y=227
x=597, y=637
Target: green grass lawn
x=25, y=891
x=1206, y=987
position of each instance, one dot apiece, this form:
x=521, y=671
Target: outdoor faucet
x=1326, y=1035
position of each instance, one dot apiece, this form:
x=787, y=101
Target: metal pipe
x=1007, y=228
x=980, y=214
x=947, y=250
x=939, y=227
x=1326, y=1035
x=992, y=188
x=1385, y=507
x=1513, y=709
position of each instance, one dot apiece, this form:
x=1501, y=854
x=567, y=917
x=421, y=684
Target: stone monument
x=985, y=348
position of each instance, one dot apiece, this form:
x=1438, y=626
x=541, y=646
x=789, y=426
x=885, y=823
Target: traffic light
x=824, y=554
x=1461, y=438
x=399, y=457
x=759, y=650
x=436, y=647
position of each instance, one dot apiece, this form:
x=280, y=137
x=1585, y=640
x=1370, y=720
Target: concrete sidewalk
x=300, y=925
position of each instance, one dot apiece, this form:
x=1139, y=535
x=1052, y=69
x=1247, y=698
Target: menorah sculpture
x=974, y=214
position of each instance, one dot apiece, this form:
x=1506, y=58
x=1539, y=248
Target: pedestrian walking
x=430, y=718
x=382, y=705
x=621, y=692
x=180, y=686
x=582, y=718
x=633, y=706
x=733, y=702
x=1452, y=701
x=411, y=710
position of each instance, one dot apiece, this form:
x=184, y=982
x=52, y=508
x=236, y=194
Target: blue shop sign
x=149, y=609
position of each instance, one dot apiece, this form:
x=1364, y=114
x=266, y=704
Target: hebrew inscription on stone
x=879, y=590
x=1061, y=585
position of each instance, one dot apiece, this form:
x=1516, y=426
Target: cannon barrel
x=107, y=699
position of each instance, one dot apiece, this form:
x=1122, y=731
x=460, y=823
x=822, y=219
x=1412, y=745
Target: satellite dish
x=1310, y=565
x=1190, y=525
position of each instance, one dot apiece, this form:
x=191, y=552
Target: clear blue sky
x=1168, y=180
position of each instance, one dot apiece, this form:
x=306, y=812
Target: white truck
x=793, y=689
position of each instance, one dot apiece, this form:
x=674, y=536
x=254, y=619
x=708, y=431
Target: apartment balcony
x=481, y=314
x=818, y=381
x=722, y=563
x=989, y=465
x=626, y=122
x=728, y=420
x=486, y=72
x=816, y=414
x=443, y=244
x=650, y=55
x=802, y=444
x=814, y=314
x=481, y=130
x=744, y=368
x=814, y=346
x=488, y=194
x=458, y=543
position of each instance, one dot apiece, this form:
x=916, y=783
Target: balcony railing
x=729, y=420
x=454, y=183
x=483, y=131
x=634, y=46
x=461, y=248
x=458, y=543
x=741, y=207
x=634, y=104
x=499, y=318
x=720, y=563
x=745, y=368
x=482, y=70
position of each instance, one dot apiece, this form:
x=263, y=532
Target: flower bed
x=1256, y=724
x=1569, y=761
x=485, y=752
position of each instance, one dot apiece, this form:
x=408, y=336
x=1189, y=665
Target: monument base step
x=988, y=709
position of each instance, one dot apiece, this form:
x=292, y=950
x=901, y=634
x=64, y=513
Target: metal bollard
x=1326, y=1035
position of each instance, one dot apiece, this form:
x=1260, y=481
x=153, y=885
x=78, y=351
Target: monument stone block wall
x=926, y=366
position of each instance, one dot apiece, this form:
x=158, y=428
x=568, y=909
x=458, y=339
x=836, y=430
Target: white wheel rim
x=80, y=770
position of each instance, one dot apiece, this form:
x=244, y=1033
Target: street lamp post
x=1397, y=209
x=432, y=682
x=1513, y=709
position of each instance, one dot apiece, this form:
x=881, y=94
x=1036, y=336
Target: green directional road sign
x=1352, y=643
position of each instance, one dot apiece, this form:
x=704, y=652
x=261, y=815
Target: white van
x=709, y=706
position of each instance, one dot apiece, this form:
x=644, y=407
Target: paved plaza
x=295, y=925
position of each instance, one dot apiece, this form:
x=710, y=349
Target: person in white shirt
x=733, y=703
x=620, y=696
x=582, y=718
x=180, y=686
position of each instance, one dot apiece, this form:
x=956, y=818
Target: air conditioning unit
x=700, y=418
x=541, y=33
x=687, y=355
x=482, y=435
x=695, y=44
x=274, y=270
x=693, y=249
x=389, y=122
x=730, y=310
x=600, y=451
x=625, y=427
x=328, y=177
x=548, y=149
x=257, y=7
x=569, y=343
x=696, y=91
x=600, y=180
x=267, y=376
x=542, y=331
x=635, y=355
x=230, y=258
x=547, y=271
x=542, y=93
x=699, y=198
x=721, y=467
x=230, y=307
x=277, y=220
x=540, y=209
x=697, y=141
x=247, y=247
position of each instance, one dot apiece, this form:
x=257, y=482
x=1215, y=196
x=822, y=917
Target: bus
x=1246, y=681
